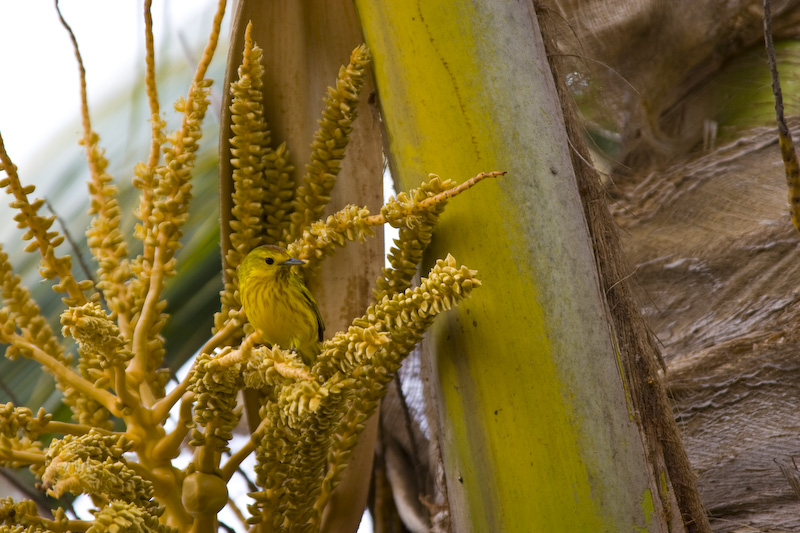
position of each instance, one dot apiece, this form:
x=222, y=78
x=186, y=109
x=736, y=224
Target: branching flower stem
x=169, y=446
x=136, y=368
x=146, y=173
x=163, y=406
x=69, y=428
x=152, y=92
x=378, y=220
x=249, y=447
x=164, y=251
x=105, y=398
x=23, y=457
x=230, y=467
x=104, y=236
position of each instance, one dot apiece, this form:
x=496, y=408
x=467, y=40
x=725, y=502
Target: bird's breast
x=282, y=318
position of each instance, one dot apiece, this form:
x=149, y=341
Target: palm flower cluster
x=118, y=449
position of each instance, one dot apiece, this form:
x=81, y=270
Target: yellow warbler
x=278, y=304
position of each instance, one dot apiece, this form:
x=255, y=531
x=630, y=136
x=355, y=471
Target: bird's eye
x=269, y=260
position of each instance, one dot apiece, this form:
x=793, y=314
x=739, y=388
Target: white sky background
x=39, y=82
x=39, y=91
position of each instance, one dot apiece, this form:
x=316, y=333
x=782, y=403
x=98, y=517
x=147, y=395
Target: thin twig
x=250, y=485
x=792, y=475
x=235, y=460
x=238, y=512
x=87, y=127
x=225, y=526
x=216, y=100
x=9, y=392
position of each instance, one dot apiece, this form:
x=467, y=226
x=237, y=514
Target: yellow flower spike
x=24, y=512
x=95, y=464
x=103, y=359
x=328, y=145
x=167, y=215
x=18, y=431
x=260, y=187
x=215, y=388
x=124, y=517
x=279, y=193
x=104, y=236
x=369, y=353
x=351, y=223
x=38, y=226
x=414, y=236
x=25, y=314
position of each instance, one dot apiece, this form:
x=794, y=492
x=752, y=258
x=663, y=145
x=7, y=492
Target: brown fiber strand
x=87, y=126
x=784, y=135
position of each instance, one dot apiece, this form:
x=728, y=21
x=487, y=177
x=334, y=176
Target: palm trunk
x=539, y=432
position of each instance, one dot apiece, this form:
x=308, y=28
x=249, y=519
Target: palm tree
x=543, y=400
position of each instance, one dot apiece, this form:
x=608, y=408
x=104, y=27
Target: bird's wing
x=313, y=305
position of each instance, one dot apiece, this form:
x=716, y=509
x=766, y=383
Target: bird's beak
x=292, y=262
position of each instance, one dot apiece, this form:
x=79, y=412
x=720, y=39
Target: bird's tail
x=310, y=352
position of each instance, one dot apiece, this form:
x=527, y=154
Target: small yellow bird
x=277, y=302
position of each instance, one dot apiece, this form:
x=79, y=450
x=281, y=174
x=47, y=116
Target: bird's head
x=268, y=261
